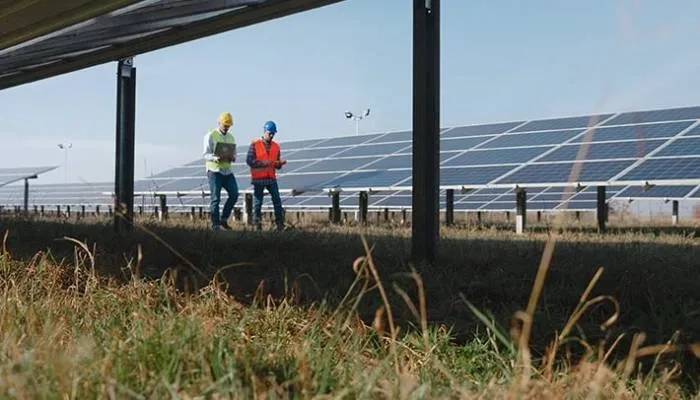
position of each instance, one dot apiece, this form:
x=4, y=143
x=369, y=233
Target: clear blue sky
x=501, y=60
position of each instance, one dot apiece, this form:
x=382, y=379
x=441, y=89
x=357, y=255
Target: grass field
x=180, y=312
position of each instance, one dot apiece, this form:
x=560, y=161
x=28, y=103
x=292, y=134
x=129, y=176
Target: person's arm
x=209, y=148
x=280, y=161
x=250, y=158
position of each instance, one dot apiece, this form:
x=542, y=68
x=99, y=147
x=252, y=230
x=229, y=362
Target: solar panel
x=478, y=130
x=10, y=175
x=675, y=114
x=496, y=157
x=552, y=173
x=562, y=123
x=532, y=138
x=656, y=192
x=661, y=147
x=603, y=151
x=634, y=132
x=665, y=169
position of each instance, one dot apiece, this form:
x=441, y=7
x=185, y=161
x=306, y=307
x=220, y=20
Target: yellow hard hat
x=225, y=118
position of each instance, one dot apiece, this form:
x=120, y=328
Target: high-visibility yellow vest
x=216, y=138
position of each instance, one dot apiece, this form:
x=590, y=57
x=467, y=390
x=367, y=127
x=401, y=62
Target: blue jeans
x=217, y=181
x=258, y=193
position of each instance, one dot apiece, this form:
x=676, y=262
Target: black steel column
x=363, y=202
x=449, y=207
x=426, y=129
x=125, y=138
x=520, y=210
x=601, y=208
x=674, y=215
x=26, y=196
x=335, y=207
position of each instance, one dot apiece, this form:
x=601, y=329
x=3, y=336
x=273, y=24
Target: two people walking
x=263, y=158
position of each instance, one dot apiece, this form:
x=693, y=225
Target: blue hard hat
x=270, y=126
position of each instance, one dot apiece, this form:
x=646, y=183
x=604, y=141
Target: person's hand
x=215, y=158
x=282, y=162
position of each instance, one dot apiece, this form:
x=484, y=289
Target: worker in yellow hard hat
x=219, y=154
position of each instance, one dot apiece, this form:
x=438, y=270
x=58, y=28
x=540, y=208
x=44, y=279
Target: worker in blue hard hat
x=264, y=159
x=219, y=172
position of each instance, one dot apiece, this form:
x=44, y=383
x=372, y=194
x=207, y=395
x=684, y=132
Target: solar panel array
x=622, y=151
x=11, y=175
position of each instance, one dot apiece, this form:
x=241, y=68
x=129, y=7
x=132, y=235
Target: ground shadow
x=654, y=281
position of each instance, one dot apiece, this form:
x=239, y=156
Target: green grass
x=177, y=312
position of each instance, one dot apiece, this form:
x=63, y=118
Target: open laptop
x=225, y=151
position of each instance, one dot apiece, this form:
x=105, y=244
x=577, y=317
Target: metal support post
x=426, y=130
x=449, y=207
x=125, y=138
x=520, y=211
x=601, y=210
x=674, y=216
x=363, y=203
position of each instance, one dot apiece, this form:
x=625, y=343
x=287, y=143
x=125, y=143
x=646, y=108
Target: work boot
x=225, y=225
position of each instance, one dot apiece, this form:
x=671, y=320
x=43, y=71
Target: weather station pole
x=426, y=130
x=65, y=147
x=125, y=148
x=357, y=118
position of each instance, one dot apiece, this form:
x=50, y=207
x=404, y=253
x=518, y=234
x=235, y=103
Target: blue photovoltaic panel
x=562, y=123
x=462, y=143
x=494, y=157
x=478, y=130
x=633, y=132
x=532, y=139
x=290, y=166
x=350, y=140
x=184, y=185
x=336, y=165
x=656, y=192
x=694, y=131
x=302, y=181
x=395, y=201
x=368, y=179
x=675, y=114
x=313, y=154
x=467, y=206
x=603, y=151
x=560, y=172
x=377, y=150
x=665, y=168
x=470, y=175
x=402, y=136
x=681, y=147
x=300, y=144
x=397, y=161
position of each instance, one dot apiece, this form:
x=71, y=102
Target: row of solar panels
x=495, y=199
x=657, y=147
x=651, y=147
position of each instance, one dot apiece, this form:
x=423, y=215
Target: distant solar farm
x=570, y=163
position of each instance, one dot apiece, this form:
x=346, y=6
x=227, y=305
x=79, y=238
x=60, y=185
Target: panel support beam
x=125, y=145
x=520, y=211
x=426, y=130
x=601, y=209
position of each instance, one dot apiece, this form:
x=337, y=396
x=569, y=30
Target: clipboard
x=225, y=151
